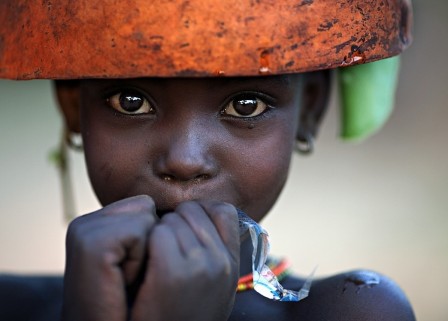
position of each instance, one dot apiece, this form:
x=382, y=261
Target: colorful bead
x=281, y=268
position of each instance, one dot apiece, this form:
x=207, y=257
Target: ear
x=316, y=92
x=68, y=96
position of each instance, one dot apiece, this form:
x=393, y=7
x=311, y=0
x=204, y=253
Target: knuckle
x=226, y=269
x=145, y=203
x=159, y=233
x=226, y=216
x=225, y=210
x=197, y=258
x=170, y=219
x=222, y=270
x=145, y=220
x=132, y=205
x=176, y=280
x=75, y=228
x=190, y=211
x=187, y=207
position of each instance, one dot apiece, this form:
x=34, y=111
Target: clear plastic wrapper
x=265, y=281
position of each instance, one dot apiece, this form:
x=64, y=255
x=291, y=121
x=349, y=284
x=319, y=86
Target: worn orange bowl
x=69, y=39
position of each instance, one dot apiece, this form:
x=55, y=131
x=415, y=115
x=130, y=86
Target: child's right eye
x=130, y=102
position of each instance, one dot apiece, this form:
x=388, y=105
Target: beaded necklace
x=281, y=268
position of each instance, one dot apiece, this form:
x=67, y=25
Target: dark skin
x=170, y=159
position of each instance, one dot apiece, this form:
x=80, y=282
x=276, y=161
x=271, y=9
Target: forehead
x=210, y=84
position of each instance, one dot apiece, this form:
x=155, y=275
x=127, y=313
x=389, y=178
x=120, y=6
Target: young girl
x=189, y=114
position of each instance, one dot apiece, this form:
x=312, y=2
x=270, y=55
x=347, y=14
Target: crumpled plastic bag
x=265, y=281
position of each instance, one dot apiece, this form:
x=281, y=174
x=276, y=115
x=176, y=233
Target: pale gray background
x=381, y=204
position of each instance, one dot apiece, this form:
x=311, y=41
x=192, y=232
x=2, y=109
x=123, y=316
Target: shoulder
x=355, y=295
x=30, y=297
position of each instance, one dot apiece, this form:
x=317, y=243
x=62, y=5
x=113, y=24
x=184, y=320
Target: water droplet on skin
x=361, y=279
x=251, y=126
x=220, y=72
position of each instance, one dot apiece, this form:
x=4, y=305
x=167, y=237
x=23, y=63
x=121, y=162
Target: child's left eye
x=130, y=102
x=245, y=106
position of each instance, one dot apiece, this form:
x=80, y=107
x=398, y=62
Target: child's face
x=228, y=139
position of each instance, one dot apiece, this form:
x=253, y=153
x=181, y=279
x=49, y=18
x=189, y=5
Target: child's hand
x=190, y=260
x=193, y=265
x=105, y=253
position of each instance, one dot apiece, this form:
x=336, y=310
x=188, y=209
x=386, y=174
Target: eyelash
x=260, y=117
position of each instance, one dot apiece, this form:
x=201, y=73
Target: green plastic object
x=367, y=97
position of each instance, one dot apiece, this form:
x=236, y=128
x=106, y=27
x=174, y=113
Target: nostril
x=184, y=163
x=196, y=179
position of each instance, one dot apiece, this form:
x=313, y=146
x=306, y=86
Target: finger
x=186, y=238
x=163, y=249
x=194, y=214
x=90, y=283
x=133, y=218
x=135, y=204
x=134, y=246
x=164, y=265
x=118, y=232
x=224, y=217
x=105, y=252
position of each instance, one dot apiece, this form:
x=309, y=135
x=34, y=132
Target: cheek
x=112, y=163
x=264, y=171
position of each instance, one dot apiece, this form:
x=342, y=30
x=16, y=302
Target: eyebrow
x=278, y=80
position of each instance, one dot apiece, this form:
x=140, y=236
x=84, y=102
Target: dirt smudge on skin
x=361, y=279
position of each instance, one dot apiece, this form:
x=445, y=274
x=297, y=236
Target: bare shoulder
x=356, y=295
x=352, y=296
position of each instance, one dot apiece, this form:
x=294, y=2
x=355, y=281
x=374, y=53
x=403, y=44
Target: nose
x=186, y=156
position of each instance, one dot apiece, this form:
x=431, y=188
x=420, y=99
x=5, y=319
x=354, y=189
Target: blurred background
x=381, y=204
